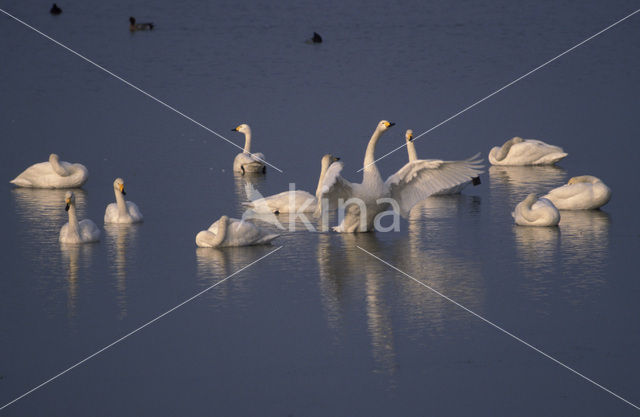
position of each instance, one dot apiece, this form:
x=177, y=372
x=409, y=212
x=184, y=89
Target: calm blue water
x=318, y=328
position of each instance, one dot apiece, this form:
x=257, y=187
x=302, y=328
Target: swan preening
x=293, y=201
x=536, y=212
x=585, y=192
x=414, y=182
x=246, y=162
x=52, y=174
x=122, y=211
x=83, y=231
x=518, y=151
x=442, y=165
x=233, y=232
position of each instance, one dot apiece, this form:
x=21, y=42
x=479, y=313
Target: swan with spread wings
x=363, y=202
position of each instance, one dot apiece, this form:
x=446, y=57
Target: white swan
x=585, y=192
x=233, y=232
x=295, y=201
x=363, y=202
x=52, y=174
x=122, y=211
x=246, y=162
x=536, y=212
x=472, y=163
x=518, y=151
x=75, y=231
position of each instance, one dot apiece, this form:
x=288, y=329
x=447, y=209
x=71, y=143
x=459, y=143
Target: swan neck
x=57, y=167
x=120, y=202
x=222, y=232
x=369, y=156
x=504, y=149
x=411, y=149
x=247, y=142
x=323, y=173
x=74, y=226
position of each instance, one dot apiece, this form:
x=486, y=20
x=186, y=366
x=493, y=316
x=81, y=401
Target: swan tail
x=20, y=182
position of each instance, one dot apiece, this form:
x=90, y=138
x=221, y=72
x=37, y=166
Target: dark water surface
x=318, y=328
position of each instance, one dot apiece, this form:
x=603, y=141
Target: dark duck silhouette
x=133, y=26
x=55, y=10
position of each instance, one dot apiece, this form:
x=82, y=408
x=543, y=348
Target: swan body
x=83, y=231
x=585, y=192
x=536, y=212
x=472, y=164
x=518, y=151
x=247, y=162
x=122, y=211
x=232, y=232
x=293, y=201
x=52, y=174
x=363, y=202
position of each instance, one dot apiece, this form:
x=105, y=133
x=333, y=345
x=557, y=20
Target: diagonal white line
x=501, y=329
x=506, y=86
x=135, y=87
x=136, y=330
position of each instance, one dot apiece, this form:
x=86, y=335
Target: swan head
x=118, y=185
x=53, y=157
x=70, y=199
x=223, y=220
x=243, y=128
x=531, y=198
x=584, y=178
x=384, y=125
x=409, y=135
x=517, y=139
x=329, y=159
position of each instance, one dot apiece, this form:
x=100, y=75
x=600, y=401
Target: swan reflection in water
x=120, y=240
x=214, y=265
x=75, y=257
x=240, y=182
x=513, y=183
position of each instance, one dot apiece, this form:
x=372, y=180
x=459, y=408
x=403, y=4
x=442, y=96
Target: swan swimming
x=294, y=201
x=536, y=212
x=518, y=151
x=52, y=174
x=246, y=161
x=83, y=231
x=232, y=232
x=122, y=211
x=414, y=182
x=444, y=165
x=585, y=192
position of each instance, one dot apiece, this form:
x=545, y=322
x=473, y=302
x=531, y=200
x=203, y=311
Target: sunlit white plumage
x=83, y=231
x=536, y=212
x=233, y=232
x=585, y=192
x=246, y=162
x=122, y=211
x=455, y=174
x=53, y=174
x=414, y=182
x=518, y=151
x=295, y=201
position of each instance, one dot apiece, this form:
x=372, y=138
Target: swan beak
x=122, y=189
x=389, y=124
x=337, y=158
x=66, y=208
x=235, y=129
x=410, y=137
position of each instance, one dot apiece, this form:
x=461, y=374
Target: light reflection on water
x=76, y=263
x=121, y=242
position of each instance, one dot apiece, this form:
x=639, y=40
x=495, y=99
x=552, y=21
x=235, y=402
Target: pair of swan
x=86, y=231
x=294, y=201
x=585, y=192
x=414, y=182
x=246, y=162
x=232, y=232
x=52, y=174
x=518, y=151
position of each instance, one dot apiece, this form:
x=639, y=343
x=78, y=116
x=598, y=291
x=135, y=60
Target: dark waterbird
x=55, y=10
x=133, y=26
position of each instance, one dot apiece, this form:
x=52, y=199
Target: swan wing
x=420, y=179
x=89, y=232
x=333, y=188
x=134, y=211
